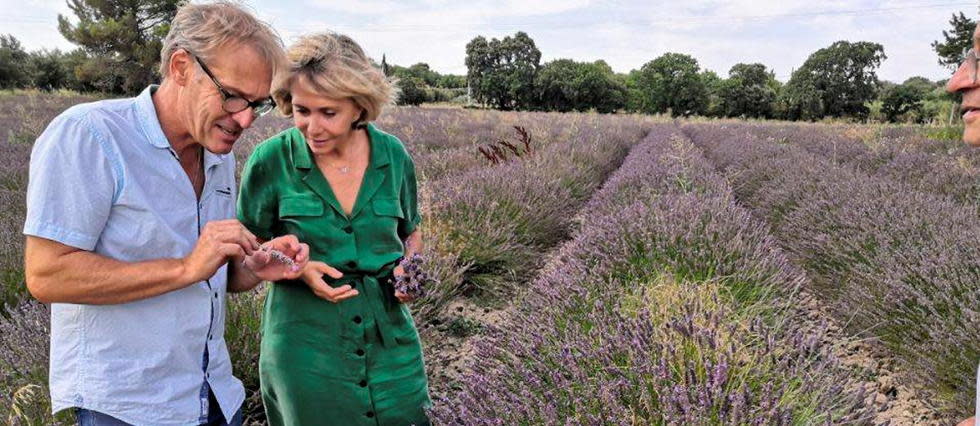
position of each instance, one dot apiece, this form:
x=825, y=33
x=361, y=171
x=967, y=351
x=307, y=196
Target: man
x=965, y=81
x=130, y=236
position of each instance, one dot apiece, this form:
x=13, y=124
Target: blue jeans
x=215, y=418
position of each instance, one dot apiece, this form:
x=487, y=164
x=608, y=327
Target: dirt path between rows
x=897, y=403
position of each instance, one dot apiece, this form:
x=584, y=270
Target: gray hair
x=204, y=29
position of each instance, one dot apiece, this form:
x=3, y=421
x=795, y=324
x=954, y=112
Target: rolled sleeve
x=73, y=183
x=410, y=202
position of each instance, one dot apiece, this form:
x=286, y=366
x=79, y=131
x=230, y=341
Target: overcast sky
x=625, y=33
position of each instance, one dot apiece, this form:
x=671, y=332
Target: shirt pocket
x=388, y=213
x=388, y=207
x=298, y=212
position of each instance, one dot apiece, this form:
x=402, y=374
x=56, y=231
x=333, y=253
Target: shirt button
x=363, y=383
x=370, y=414
x=216, y=295
x=352, y=264
x=357, y=319
x=360, y=352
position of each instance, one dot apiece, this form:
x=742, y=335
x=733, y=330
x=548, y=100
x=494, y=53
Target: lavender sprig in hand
x=276, y=256
x=414, y=282
x=279, y=256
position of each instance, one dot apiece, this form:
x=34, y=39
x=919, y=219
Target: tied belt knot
x=379, y=299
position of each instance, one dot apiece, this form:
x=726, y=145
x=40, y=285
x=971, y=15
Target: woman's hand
x=402, y=297
x=313, y=276
x=264, y=265
x=967, y=422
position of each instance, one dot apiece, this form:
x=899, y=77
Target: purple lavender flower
x=415, y=281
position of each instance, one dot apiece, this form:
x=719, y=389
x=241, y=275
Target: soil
x=896, y=402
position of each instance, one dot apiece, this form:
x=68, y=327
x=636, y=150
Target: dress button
x=352, y=264
x=363, y=383
x=357, y=319
x=370, y=414
x=360, y=352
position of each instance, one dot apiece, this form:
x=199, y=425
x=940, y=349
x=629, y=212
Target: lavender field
x=618, y=269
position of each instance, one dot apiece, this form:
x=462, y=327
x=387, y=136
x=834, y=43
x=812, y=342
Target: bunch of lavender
x=415, y=281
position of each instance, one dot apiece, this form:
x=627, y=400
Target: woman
x=338, y=346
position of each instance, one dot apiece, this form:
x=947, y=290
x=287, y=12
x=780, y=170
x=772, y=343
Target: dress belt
x=377, y=300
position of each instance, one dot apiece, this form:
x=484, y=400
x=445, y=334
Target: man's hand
x=219, y=241
x=968, y=422
x=313, y=276
x=265, y=266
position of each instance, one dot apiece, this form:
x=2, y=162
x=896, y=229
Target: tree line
x=119, y=43
x=838, y=81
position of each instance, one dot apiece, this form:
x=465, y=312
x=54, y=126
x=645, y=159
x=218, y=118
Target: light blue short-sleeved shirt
x=104, y=178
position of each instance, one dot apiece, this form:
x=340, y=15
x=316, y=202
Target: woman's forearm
x=413, y=244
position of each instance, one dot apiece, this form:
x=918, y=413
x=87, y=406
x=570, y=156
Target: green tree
x=501, y=72
x=411, y=91
x=957, y=39
x=903, y=103
x=565, y=85
x=123, y=39
x=14, y=63
x=834, y=81
x=671, y=83
x=714, y=85
x=451, y=81
x=749, y=91
x=922, y=84
x=51, y=70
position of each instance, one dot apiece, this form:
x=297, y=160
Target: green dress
x=357, y=362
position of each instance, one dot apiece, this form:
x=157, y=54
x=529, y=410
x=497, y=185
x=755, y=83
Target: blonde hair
x=337, y=68
x=204, y=29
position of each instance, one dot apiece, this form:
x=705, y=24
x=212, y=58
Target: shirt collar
x=148, y=119
x=380, y=156
x=150, y=123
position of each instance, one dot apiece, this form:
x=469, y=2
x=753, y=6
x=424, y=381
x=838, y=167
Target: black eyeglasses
x=232, y=103
x=971, y=61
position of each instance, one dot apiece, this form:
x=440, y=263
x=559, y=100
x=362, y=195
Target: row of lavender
x=893, y=261
x=671, y=305
x=927, y=165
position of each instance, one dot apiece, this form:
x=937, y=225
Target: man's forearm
x=84, y=277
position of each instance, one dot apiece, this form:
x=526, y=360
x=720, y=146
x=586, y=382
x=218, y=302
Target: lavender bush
x=892, y=261
x=500, y=219
x=670, y=306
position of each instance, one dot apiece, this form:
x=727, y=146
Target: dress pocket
x=388, y=207
x=299, y=206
